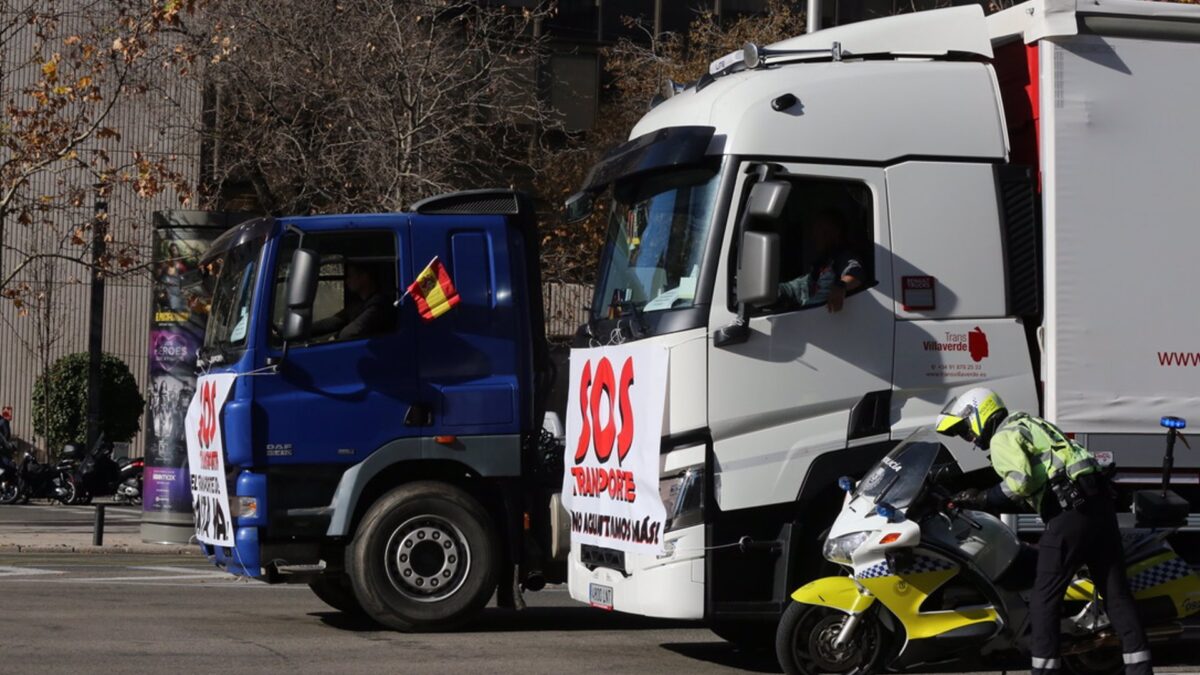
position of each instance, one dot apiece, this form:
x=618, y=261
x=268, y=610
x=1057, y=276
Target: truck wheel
x=336, y=591
x=424, y=558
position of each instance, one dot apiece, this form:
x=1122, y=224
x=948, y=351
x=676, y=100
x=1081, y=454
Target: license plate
x=600, y=596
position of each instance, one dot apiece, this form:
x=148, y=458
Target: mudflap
x=840, y=593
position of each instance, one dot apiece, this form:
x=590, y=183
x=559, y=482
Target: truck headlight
x=839, y=549
x=243, y=507
x=683, y=497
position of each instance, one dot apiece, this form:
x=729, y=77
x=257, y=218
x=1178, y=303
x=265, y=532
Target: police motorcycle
x=931, y=582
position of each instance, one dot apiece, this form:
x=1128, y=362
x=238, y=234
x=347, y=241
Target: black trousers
x=1088, y=536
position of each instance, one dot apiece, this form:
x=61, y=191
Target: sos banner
x=206, y=460
x=614, y=430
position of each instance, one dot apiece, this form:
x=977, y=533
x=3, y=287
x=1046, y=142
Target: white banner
x=614, y=432
x=206, y=459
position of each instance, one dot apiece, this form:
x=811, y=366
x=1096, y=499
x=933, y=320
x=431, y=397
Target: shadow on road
x=727, y=654
x=532, y=619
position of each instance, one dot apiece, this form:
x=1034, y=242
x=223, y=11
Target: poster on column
x=614, y=434
x=180, y=311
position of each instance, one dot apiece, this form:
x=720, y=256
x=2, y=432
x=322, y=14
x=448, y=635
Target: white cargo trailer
x=1023, y=191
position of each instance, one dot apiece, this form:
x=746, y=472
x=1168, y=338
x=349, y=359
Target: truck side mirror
x=300, y=294
x=758, y=268
x=767, y=199
x=578, y=207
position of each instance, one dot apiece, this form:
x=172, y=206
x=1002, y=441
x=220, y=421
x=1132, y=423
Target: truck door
x=343, y=393
x=780, y=403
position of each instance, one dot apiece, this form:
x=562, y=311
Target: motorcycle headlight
x=839, y=549
x=683, y=498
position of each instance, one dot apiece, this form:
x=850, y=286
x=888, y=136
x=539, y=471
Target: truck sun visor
x=258, y=228
x=669, y=147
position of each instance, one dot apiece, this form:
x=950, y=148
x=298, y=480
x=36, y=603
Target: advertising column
x=178, y=318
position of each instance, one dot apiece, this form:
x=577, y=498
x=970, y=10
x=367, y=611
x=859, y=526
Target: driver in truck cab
x=370, y=311
x=1043, y=470
x=833, y=272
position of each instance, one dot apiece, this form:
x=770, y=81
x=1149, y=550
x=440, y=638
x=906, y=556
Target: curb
x=117, y=549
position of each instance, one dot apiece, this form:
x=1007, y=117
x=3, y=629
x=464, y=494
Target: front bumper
x=670, y=587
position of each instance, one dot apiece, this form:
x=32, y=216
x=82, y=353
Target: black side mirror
x=578, y=207
x=767, y=199
x=758, y=269
x=300, y=294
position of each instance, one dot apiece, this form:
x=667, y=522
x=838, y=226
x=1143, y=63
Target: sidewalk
x=54, y=528
x=76, y=542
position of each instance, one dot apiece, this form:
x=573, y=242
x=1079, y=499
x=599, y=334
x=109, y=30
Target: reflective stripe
x=1136, y=657
x=1045, y=664
x=1008, y=492
x=1080, y=466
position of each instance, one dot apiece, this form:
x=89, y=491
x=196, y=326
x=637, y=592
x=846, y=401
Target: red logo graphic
x=602, y=393
x=977, y=344
x=208, y=414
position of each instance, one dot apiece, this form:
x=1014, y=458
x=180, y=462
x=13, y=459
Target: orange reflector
x=889, y=537
x=528, y=525
x=445, y=440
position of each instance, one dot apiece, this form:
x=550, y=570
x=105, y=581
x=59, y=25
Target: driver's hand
x=837, y=296
x=971, y=498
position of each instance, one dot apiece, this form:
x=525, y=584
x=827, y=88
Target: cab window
x=826, y=244
x=356, y=289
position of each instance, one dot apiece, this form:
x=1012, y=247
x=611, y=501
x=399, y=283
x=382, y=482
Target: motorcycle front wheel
x=804, y=642
x=9, y=491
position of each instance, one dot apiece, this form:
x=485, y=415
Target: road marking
x=6, y=571
x=176, y=570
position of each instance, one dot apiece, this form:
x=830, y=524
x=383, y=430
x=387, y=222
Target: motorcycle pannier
x=1156, y=508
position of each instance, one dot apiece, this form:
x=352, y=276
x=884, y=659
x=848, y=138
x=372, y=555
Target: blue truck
x=395, y=464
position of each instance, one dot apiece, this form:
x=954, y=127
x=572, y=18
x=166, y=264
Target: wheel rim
x=813, y=644
x=8, y=492
x=427, y=558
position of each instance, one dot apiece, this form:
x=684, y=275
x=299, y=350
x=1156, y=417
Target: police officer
x=1043, y=470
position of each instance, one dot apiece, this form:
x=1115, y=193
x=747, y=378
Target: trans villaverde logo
x=974, y=342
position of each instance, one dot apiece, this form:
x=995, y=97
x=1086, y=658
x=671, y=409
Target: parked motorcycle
x=99, y=475
x=931, y=582
x=43, y=481
x=9, y=486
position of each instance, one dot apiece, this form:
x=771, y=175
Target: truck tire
x=424, y=558
x=336, y=591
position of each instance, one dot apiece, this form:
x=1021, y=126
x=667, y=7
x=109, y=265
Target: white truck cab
x=1017, y=192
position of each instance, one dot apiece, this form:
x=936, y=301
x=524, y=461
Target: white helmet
x=973, y=415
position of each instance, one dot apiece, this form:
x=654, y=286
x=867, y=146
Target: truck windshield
x=657, y=232
x=232, y=277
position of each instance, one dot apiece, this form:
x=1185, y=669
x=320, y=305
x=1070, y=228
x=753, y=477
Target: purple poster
x=176, y=333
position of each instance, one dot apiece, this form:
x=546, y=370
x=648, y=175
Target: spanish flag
x=434, y=291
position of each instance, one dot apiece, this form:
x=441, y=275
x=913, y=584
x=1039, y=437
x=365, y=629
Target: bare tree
x=66, y=68
x=636, y=71
x=368, y=105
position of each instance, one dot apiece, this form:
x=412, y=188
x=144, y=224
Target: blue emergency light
x=886, y=510
x=845, y=483
x=1173, y=422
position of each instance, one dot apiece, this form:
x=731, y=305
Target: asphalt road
x=128, y=613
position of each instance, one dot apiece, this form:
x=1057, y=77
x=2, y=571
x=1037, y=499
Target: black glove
x=971, y=498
